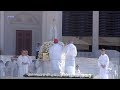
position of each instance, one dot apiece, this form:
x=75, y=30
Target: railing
x=110, y=53
x=85, y=54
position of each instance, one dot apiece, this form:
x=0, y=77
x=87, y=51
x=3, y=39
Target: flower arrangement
x=44, y=49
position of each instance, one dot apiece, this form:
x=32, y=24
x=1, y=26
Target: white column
x=47, y=20
x=44, y=26
x=2, y=31
x=95, y=32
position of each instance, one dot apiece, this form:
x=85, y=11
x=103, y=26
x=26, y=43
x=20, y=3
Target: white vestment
x=23, y=68
x=103, y=60
x=32, y=67
x=8, y=69
x=2, y=70
x=14, y=68
x=71, y=53
x=77, y=72
x=38, y=65
x=55, y=53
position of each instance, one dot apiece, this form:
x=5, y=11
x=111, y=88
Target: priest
x=103, y=63
x=71, y=53
x=23, y=63
x=55, y=53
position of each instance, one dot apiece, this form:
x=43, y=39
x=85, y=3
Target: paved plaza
x=86, y=66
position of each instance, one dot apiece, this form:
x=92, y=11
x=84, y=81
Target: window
x=109, y=23
x=109, y=30
x=78, y=25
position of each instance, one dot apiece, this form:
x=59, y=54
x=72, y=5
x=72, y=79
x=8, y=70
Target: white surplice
x=39, y=68
x=71, y=53
x=2, y=69
x=14, y=68
x=32, y=67
x=103, y=60
x=23, y=68
x=77, y=72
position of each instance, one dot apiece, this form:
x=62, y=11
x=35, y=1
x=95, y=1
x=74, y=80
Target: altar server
x=14, y=67
x=71, y=53
x=103, y=63
x=77, y=71
x=39, y=66
x=32, y=67
x=23, y=63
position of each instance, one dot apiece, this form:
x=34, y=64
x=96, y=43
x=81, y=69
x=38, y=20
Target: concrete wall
x=111, y=53
x=11, y=27
x=1, y=31
x=40, y=30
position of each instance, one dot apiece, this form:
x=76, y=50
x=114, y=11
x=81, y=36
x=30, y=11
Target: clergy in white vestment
x=103, y=63
x=30, y=59
x=55, y=53
x=14, y=68
x=71, y=53
x=8, y=69
x=23, y=63
x=77, y=71
x=2, y=69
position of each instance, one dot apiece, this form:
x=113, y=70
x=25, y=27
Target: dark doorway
x=23, y=41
